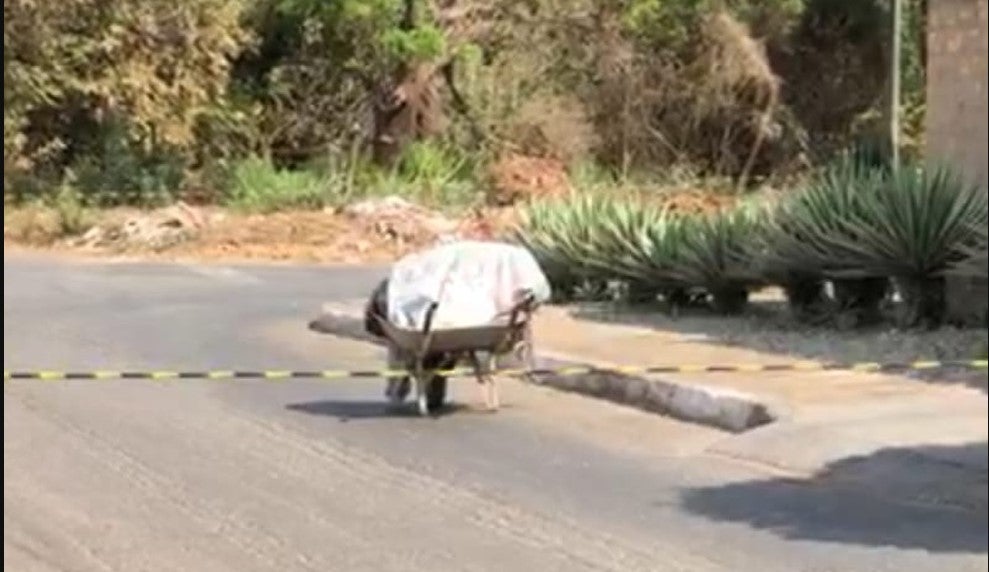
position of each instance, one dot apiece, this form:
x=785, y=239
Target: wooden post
x=896, y=47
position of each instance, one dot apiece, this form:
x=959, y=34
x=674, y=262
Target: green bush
x=112, y=169
x=432, y=174
x=426, y=173
x=43, y=221
x=800, y=237
x=913, y=224
x=73, y=215
x=71, y=67
x=255, y=185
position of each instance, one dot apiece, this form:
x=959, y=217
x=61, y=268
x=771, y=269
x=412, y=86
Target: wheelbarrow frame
x=512, y=335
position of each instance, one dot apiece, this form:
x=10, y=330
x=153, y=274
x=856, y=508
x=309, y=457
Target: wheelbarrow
x=480, y=347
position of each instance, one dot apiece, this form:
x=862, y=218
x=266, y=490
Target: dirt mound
x=398, y=220
x=488, y=223
x=373, y=230
x=155, y=230
x=308, y=236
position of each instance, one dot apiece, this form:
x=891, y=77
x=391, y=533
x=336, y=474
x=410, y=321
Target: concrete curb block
x=713, y=406
x=342, y=322
x=697, y=403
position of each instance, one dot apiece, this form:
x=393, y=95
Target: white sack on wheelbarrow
x=474, y=283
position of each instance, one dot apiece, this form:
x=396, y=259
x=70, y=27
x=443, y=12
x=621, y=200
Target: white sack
x=474, y=283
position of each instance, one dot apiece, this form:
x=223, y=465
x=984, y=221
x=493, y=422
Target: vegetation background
x=655, y=120
x=271, y=104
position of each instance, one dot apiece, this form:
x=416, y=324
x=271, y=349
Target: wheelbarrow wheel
x=436, y=393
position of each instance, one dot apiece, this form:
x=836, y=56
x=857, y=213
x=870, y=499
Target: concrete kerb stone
x=694, y=402
x=345, y=320
x=714, y=406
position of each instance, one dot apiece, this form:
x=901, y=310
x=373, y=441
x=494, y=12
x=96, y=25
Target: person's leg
x=437, y=388
x=377, y=304
x=397, y=388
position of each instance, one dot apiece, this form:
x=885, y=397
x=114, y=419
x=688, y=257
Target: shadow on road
x=345, y=410
x=894, y=497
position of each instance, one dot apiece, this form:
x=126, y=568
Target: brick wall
x=958, y=113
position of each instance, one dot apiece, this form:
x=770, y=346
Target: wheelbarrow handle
x=430, y=314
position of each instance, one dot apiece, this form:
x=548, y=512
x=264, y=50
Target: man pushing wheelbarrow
x=468, y=301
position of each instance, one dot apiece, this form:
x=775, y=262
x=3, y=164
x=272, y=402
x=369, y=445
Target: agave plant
x=539, y=230
x=644, y=245
x=803, y=228
x=596, y=238
x=805, y=290
x=799, y=248
x=589, y=245
x=976, y=261
x=563, y=236
x=618, y=244
x=714, y=253
x=914, y=227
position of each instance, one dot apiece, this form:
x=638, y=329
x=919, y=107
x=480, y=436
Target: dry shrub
x=33, y=225
x=716, y=108
x=739, y=86
x=411, y=111
x=624, y=120
x=835, y=68
x=489, y=223
x=516, y=178
x=681, y=197
x=696, y=202
x=552, y=126
x=44, y=225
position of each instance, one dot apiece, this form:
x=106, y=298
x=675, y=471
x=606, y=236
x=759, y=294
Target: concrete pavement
x=130, y=475
x=822, y=417
x=802, y=422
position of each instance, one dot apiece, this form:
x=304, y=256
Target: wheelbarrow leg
x=420, y=378
x=489, y=390
x=525, y=354
x=421, y=401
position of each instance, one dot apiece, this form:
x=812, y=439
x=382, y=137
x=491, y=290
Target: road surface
x=297, y=475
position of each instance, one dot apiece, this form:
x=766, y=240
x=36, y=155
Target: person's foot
x=397, y=390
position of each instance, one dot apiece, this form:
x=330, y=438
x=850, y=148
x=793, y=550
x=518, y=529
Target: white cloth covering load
x=473, y=282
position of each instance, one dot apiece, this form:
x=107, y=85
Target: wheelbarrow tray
x=494, y=338
x=413, y=347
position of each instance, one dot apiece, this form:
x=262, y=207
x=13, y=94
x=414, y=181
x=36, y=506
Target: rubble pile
x=155, y=230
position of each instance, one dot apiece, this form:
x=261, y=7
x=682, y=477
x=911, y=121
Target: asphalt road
x=293, y=475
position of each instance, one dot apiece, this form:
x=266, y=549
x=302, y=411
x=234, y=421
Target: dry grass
x=34, y=225
x=290, y=236
x=293, y=236
x=42, y=225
